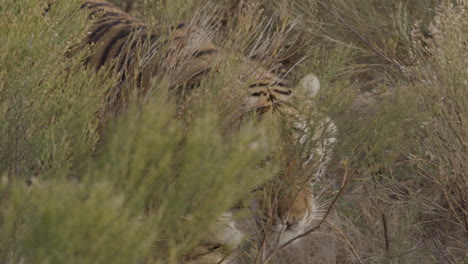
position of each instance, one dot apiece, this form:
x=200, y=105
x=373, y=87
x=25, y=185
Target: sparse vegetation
x=393, y=77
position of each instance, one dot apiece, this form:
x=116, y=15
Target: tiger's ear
x=309, y=86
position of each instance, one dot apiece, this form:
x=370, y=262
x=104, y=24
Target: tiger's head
x=287, y=205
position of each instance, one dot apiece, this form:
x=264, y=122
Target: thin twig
x=385, y=229
x=441, y=252
x=346, y=240
x=262, y=248
x=462, y=201
x=384, y=219
x=266, y=229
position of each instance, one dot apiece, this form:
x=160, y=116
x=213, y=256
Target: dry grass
x=394, y=80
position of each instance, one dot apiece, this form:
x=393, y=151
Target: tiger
x=290, y=207
x=116, y=37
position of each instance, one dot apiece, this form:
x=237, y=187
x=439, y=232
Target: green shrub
x=151, y=186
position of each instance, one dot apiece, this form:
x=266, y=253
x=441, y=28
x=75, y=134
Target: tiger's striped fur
x=116, y=37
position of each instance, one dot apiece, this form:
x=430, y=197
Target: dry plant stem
x=442, y=253
x=385, y=228
x=384, y=219
x=449, y=199
x=262, y=247
x=262, y=250
x=462, y=201
x=346, y=240
x=381, y=54
x=343, y=185
x=221, y=261
x=405, y=253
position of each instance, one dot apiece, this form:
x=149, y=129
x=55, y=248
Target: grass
x=393, y=77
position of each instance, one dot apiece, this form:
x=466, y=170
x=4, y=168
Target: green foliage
x=152, y=186
x=47, y=116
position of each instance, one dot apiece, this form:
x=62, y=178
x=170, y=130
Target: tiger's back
x=138, y=54
x=188, y=54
